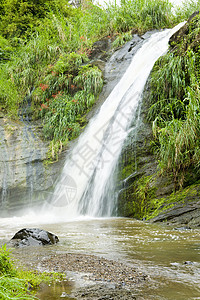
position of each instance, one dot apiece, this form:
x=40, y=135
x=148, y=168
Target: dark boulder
x=33, y=237
x=187, y=214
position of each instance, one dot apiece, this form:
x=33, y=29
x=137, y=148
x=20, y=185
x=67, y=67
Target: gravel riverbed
x=101, y=278
x=94, y=268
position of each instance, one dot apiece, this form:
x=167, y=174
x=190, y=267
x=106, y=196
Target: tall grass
x=19, y=284
x=11, y=286
x=66, y=95
x=169, y=81
x=140, y=15
x=186, y=9
x=9, y=97
x=179, y=140
x=175, y=107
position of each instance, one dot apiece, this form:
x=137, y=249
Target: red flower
x=44, y=106
x=44, y=86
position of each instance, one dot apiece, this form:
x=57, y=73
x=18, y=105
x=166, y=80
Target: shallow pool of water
x=170, y=257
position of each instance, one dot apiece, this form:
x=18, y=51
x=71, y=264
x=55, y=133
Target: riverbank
x=96, y=277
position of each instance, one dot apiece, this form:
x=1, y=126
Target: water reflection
x=55, y=291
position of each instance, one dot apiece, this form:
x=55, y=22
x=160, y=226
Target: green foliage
x=5, y=49
x=179, y=144
x=121, y=39
x=186, y=9
x=90, y=79
x=69, y=63
x=169, y=79
x=14, y=289
x=62, y=113
x=16, y=284
x=8, y=92
x=175, y=107
x=11, y=286
x=66, y=98
x=6, y=266
x=19, y=16
x=140, y=15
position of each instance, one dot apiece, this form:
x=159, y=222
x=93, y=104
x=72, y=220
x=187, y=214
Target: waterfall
x=85, y=185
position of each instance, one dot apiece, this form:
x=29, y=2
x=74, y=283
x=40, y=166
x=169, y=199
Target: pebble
x=95, y=268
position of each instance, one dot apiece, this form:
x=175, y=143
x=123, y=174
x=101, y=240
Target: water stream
x=170, y=257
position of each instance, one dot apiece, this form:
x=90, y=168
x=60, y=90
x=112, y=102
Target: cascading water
x=85, y=186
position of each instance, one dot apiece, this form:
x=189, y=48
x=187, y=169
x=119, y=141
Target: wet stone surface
x=100, y=292
x=94, y=268
x=33, y=237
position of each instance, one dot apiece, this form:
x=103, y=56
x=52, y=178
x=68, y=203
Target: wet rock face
x=98, y=292
x=113, y=65
x=187, y=214
x=33, y=237
x=23, y=173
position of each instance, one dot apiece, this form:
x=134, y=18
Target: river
x=169, y=256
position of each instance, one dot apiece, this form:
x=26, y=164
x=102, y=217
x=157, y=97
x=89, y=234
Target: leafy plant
x=8, y=92
x=66, y=97
x=69, y=63
x=121, y=39
x=20, y=284
x=6, y=266
x=89, y=79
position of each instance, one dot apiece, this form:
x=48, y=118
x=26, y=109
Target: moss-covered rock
x=145, y=191
x=138, y=179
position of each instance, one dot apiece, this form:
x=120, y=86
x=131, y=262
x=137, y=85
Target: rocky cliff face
x=24, y=173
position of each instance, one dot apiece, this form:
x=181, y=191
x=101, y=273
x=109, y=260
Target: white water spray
x=88, y=169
